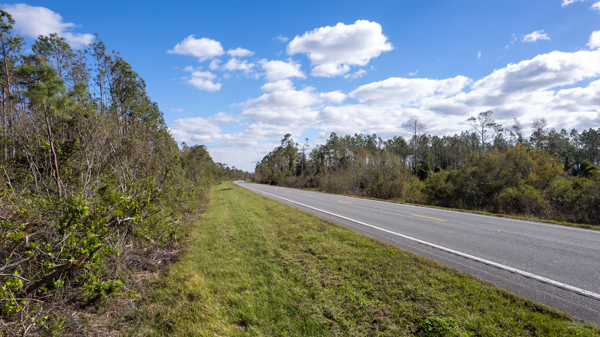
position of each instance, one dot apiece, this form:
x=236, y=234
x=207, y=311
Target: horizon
x=237, y=81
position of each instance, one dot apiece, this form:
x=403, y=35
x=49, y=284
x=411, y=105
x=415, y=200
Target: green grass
x=256, y=267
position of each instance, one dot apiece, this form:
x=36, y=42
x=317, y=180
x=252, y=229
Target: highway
x=553, y=264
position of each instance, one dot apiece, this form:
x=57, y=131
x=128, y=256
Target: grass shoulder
x=256, y=267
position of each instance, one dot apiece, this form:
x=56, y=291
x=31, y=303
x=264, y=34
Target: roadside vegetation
x=256, y=267
x=553, y=175
x=95, y=195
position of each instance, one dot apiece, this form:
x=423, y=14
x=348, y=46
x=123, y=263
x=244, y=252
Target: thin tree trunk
x=51, y=139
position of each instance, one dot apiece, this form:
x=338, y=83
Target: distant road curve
x=552, y=264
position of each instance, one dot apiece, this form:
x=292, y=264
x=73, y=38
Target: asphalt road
x=553, y=264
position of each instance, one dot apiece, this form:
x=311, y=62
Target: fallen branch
x=18, y=262
x=51, y=277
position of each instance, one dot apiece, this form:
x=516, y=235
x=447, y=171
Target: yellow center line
x=345, y=202
x=426, y=217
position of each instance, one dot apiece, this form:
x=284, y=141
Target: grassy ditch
x=260, y=268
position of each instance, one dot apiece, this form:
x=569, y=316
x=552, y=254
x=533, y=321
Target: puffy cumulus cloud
x=235, y=64
x=535, y=36
x=239, y=52
x=283, y=106
x=385, y=121
x=333, y=96
x=276, y=70
x=542, y=72
x=35, y=21
x=527, y=90
x=331, y=50
x=330, y=70
x=203, y=48
x=594, y=40
x=401, y=91
x=202, y=80
x=195, y=130
x=596, y=6
x=289, y=107
x=544, y=86
x=281, y=85
x=222, y=117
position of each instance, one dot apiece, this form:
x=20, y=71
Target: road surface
x=553, y=264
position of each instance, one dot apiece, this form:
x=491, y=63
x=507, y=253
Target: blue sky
x=238, y=75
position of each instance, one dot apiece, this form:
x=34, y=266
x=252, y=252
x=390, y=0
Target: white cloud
x=542, y=72
x=176, y=110
x=195, y=131
x=281, y=85
x=289, y=107
x=35, y=21
x=281, y=38
x=413, y=73
x=359, y=73
x=214, y=64
x=244, y=156
x=594, y=40
x=332, y=50
x=333, y=96
x=479, y=54
x=235, y=64
x=537, y=35
x=203, y=48
x=399, y=91
x=330, y=70
x=546, y=85
x=568, y=2
x=278, y=70
x=222, y=117
x=596, y=6
x=203, y=80
x=239, y=52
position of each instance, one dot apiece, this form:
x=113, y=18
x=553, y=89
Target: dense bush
x=91, y=178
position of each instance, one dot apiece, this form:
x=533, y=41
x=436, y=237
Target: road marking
x=345, y=202
x=426, y=217
x=455, y=252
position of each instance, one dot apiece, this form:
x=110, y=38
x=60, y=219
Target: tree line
x=93, y=185
x=550, y=175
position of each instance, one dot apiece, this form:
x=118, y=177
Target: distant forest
x=550, y=174
x=93, y=187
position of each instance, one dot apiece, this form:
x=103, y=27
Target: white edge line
x=538, y=223
x=452, y=251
